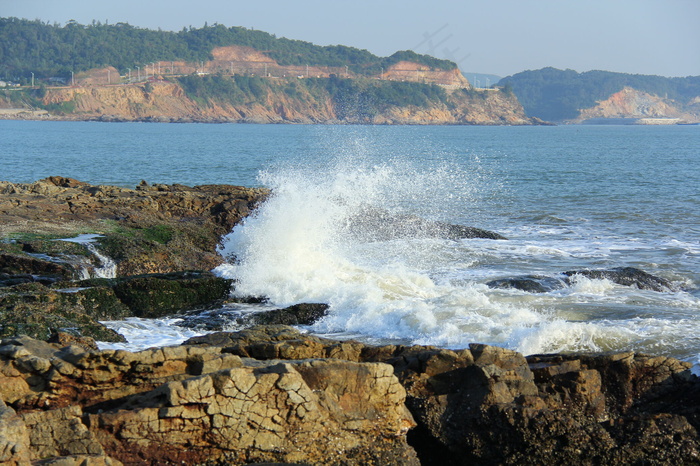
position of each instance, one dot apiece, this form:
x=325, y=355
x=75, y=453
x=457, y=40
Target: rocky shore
x=272, y=393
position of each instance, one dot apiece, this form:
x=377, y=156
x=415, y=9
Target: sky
x=504, y=37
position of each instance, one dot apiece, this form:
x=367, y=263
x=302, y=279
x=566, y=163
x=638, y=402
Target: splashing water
x=107, y=268
x=301, y=246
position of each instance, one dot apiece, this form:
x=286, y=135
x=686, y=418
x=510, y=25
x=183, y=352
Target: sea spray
x=302, y=245
x=311, y=241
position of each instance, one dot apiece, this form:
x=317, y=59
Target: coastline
x=167, y=101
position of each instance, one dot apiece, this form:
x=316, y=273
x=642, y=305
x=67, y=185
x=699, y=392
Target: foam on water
x=300, y=247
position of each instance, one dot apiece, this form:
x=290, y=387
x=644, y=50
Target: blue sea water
x=567, y=197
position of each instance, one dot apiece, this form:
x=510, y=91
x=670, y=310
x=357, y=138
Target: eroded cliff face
x=632, y=103
x=414, y=72
x=167, y=101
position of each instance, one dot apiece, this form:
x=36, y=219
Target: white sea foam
x=299, y=247
x=147, y=333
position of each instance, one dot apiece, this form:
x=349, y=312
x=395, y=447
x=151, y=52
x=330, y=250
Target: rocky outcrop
x=77, y=308
x=152, y=233
x=199, y=405
x=632, y=103
x=150, y=229
x=415, y=72
x=273, y=394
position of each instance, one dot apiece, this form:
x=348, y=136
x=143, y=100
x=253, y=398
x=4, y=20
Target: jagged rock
x=31, y=269
x=488, y=405
x=151, y=229
x=14, y=437
x=199, y=405
x=274, y=394
x=35, y=310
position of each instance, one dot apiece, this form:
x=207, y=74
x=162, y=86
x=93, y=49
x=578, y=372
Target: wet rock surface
x=152, y=233
x=274, y=394
x=626, y=276
x=77, y=308
x=150, y=229
x=225, y=317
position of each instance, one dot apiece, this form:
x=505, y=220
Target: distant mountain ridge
x=568, y=96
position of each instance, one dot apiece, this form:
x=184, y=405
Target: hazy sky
x=499, y=37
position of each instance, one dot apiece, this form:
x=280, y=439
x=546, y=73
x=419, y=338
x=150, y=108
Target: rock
x=14, y=437
x=373, y=224
x=529, y=283
x=200, y=405
x=35, y=310
x=31, y=269
x=488, y=405
x=626, y=276
x=218, y=319
x=151, y=229
x=158, y=295
x=298, y=314
x=272, y=394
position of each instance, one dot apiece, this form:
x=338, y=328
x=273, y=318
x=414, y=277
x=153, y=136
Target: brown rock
x=14, y=437
x=311, y=400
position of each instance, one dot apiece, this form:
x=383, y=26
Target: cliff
x=396, y=99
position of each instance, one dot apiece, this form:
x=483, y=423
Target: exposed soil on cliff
x=167, y=101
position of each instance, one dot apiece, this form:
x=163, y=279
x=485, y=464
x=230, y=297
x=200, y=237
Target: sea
x=566, y=198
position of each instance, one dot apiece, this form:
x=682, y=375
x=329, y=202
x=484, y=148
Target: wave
x=305, y=244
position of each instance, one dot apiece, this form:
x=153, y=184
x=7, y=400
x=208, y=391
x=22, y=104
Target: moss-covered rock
x=33, y=309
x=157, y=295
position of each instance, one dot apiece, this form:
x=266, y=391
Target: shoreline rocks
x=271, y=393
x=274, y=394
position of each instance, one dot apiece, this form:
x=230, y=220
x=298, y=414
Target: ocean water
x=566, y=197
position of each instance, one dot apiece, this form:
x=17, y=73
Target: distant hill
x=561, y=95
x=117, y=72
x=52, y=50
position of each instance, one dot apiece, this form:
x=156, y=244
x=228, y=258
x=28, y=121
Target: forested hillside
x=49, y=50
x=557, y=95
